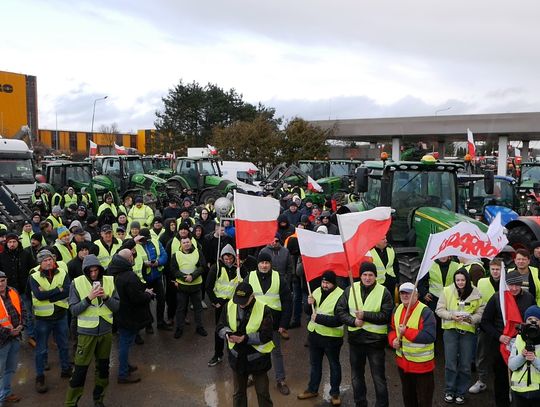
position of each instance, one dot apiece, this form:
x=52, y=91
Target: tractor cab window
x=188, y=170
x=314, y=170
x=208, y=168
x=372, y=196
x=339, y=169
x=133, y=166
x=111, y=166
x=529, y=173
x=79, y=174
x=503, y=192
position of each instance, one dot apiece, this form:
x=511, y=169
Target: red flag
x=470, y=144
x=120, y=150
x=255, y=220
x=312, y=185
x=360, y=231
x=321, y=252
x=510, y=313
x=93, y=149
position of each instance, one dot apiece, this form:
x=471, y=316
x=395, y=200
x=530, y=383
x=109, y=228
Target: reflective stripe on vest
x=435, y=277
x=383, y=270
x=224, y=288
x=104, y=256
x=138, y=261
x=453, y=305
x=414, y=352
x=66, y=253
x=104, y=206
x=486, y=289
x=187, y=263
x=45, y=308
x=89, y=318
x=5, y=320
x=519, y=377
x=372, y=304
x=270, y=297
x=253, y=325
x=176, y=245
x=326, y=308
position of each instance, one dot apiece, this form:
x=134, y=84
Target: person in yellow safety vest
x=70, y=198
x=26, y=234
x=57, y=200
x=384, y=258
x=50, y=290
x=475, y=268
x=460, y=308
x=271, y=288
x=120, y=233
x=484, y=363
x=187, y=266
x=325, y=337
x=40, y=195
x=367, y=324
x=92, y=300
x=126, y=206
x=524, y=361
x=63, y=248
x=86, y=199
x=157, y=228
x=246, y=325
x=107, y=245
x=413, y=339
x=108, y=203
x=141, y=213
x=531, y=278
x=220, y=285
x=54, y=218
x=441, y=274
x=185, y=218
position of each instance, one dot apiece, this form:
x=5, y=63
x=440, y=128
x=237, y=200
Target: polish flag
x=212, y=149
x=120, y=150
x=510, y=313
x=470, y=143
x=93, y=149
x=255, y=220
x=360, y=231
x=312, y=185
x=321, y=252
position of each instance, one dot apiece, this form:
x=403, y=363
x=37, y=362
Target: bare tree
x=111, y=133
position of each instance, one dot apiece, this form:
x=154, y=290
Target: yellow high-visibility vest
x=224, y=288
x=453, y=304
x=373, y=304
x=383, y=270
x=253, y=325
x=486, y=289
x=326, y=308
x=89, y=318
x=45, y=308
x=518, y=381
x=271, y=297
x=187, y=263
x=435, y=277
x=414, y=352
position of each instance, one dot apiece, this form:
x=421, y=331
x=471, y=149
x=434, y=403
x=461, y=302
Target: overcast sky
x=310, y=58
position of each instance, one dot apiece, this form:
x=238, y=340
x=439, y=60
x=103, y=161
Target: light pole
x=442, y=110
x=94, y=111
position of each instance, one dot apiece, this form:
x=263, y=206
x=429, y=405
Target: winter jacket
x=16, y=264
x=281, y=261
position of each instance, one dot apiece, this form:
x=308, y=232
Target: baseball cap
x=106, y=228
x=406, y=288
x=242, y=293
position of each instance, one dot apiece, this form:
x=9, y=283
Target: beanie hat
x=91, y=219
x=532, y=311
x=43, y=254
x=12, y=236
x=263, y=256
x=56, y=209
x=329, y=276
x=62, y=231
x=82, y=246
x=514, y=278
x=135, y=225
x=368, y=266
x=37, y=236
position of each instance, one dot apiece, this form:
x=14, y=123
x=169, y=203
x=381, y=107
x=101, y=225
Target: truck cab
x=17, y=168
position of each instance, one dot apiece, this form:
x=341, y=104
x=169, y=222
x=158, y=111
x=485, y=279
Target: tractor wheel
x=521, y=237
x=408, y=267
x=175, y=186
x=210, y=193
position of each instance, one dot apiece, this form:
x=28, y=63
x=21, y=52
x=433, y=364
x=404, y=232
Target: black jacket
x=16, y=264
x=75, y=267
x=134, y=313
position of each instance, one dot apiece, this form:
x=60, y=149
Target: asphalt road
x=174, y=372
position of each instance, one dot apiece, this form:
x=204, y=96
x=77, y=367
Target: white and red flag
x=510, y=313
x=93, y=149
x=360, y=231
x=321, y=252
x=255, y=220
x=470, y=144
x=212, y=149
x=465, y=240
x=312, y=185
x=120, y=150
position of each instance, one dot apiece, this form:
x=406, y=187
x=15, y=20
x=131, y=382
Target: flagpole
x=349, y=271
x=309, y=290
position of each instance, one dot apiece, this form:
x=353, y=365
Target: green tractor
x=202, y=175
x=127, y=175
x=423, y=196
x=158, y=166
x=334, y=176
x=528, y=188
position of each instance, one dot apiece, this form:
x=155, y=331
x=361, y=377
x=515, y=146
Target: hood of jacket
x=119, y=265
x=228, y=249
x=91, y=260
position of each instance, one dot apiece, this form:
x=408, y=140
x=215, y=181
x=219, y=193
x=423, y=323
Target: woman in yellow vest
x=70, y=198
x=524, y=361
x=460, y=308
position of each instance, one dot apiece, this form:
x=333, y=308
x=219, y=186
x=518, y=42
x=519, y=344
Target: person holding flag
x=500, y=325
x=460, y=308
x=413, y=334
x=365, y=308
x=325, y=337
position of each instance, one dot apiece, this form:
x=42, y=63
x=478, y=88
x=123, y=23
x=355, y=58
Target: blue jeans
x=316, y=354
x=277, y=357
x=8, y=366
x=375, y=355
x=29, y=323
x=458, y=354
x=126, y=338
x=43, y=329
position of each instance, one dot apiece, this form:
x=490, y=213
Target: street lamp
x=442, y=110
x=94, y=111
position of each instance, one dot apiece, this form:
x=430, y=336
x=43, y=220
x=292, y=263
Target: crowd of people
x=84, y=277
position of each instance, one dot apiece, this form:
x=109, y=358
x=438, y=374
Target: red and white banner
x=93, y=149
x=321, y=252
x=510, y=313
x=360, y=231
x=470, y=144
x=312, y=185
x=255, y=220
x=212, y=149
x=120, y=150
x=465, y=240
